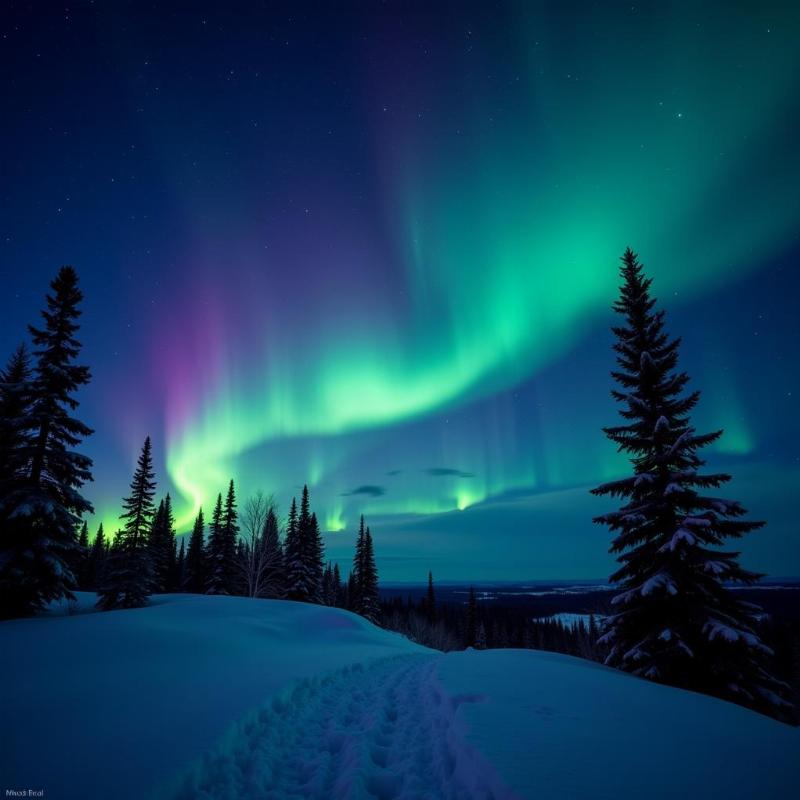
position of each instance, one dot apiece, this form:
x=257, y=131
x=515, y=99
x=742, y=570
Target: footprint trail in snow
x=385, y=730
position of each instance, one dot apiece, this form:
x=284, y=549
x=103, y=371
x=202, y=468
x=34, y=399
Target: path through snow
x=385, y=730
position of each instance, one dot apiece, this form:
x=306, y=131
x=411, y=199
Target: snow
x=212, y=697
x=681, y=535
x=661, y=580
x=555, y=726
x=156, y=686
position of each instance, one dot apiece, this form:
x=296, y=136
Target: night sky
x=374, y=248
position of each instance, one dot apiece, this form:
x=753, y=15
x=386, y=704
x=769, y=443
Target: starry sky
x=373, y=246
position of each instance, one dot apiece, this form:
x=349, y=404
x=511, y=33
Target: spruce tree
x=178, y=572
x=315, y=550
x=327, y=584
x=128, y=575
x=674, y=621
x=369, y=598
x=39, y=512
x=170, y=546
x=215, y=553
x=16, y=397
x=293, y=565
x=230, y=539
x=195, y=558
x=273, y=557
x=338, y=591
x=304, y=553
x=304, y=582
x=80, y=566
x=156, y=542
x=162, y=547
x=357, y=573
x=430, y=601
x=97, y=560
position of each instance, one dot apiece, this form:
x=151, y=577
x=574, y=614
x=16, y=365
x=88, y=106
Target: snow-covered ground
x=217, y=697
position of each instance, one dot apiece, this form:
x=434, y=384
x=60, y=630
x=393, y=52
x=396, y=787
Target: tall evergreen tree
x=156, y=550
x=97, y=560
x=357, y=573
x=304, y=584
x=40, y=512
x=178, y=571
x=215, y=553
x=675, y=620
x=196, y=558
x=16, y=397
x=230, y=538
x=315, y=549
x=430, y=601
x=80, y=565
x=327, y=584
x=351, y=594
x=293, y=563
x=162, y=547
x=273, y=557
x=368, y=590
x=338, y=589
x=304, y=554
x=128, y=576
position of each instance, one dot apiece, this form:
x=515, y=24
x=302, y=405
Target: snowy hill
x=210, y=697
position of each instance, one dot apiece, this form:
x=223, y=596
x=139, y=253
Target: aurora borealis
x=374, y=248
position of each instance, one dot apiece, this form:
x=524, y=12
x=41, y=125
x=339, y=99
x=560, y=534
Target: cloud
x=394, y=472
x=443, y=471
x=370, y=490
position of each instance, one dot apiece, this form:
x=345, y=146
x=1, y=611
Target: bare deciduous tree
x=259, y=557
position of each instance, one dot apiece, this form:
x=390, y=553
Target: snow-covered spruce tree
x=304, y=553
x=195, y=558
x=80, y=566
x=43, y=506
x=215, y=553
x=128, y=576
x=16, y=396
x=674, y=620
